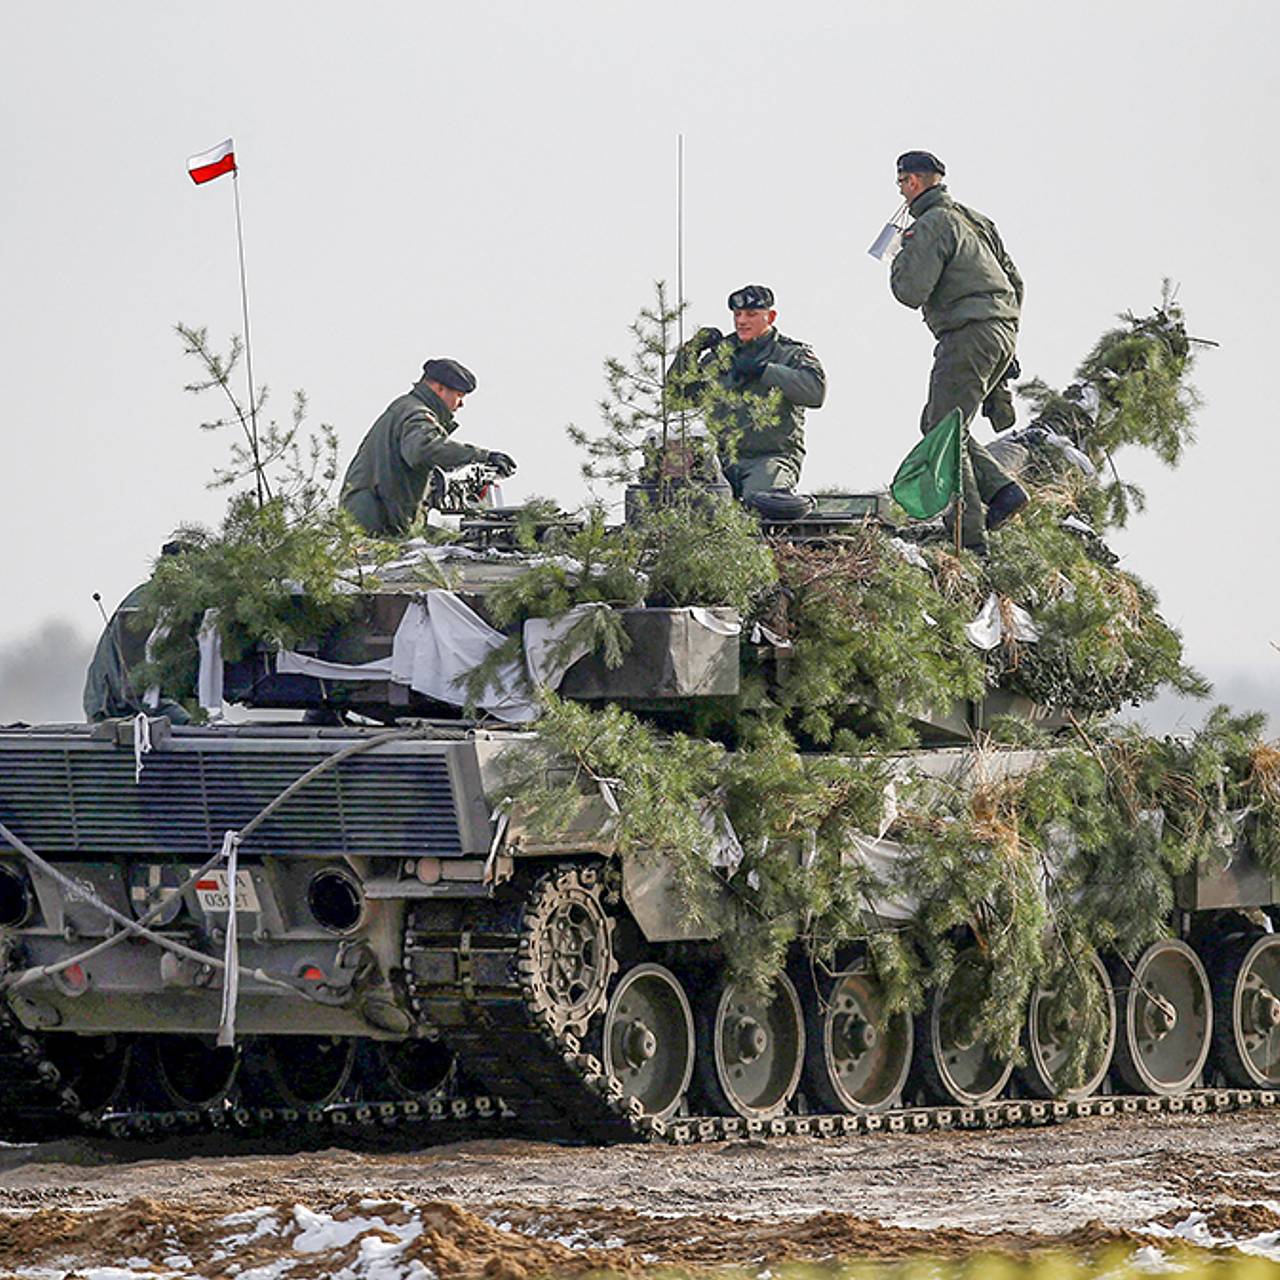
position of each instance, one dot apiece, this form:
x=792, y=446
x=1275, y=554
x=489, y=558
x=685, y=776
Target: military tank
x=347, y=912
x=346, y=924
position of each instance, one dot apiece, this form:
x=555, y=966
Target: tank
x=394, y=945
x=363, y=919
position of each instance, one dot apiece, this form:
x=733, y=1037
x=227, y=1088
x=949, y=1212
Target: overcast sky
x=496, y=182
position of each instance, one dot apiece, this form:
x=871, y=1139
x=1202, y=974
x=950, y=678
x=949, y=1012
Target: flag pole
x=248, y=349
x=959, y=522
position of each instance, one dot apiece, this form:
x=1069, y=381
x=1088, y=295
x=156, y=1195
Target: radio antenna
x=680, y=238
x=684, y=443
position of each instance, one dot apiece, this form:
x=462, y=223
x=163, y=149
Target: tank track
x=48, y=1108
x=475, y=976
x=40, y=1104
x=476, y=983
x=38, y=1101
x=471, y=976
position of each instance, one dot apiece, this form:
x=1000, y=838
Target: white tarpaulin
x=209, y=683
x=439, y=642
x=880, y=857
x=550, y=648
x=988, y=628
x=289, y=663
x=720, y=626
x=909, y=552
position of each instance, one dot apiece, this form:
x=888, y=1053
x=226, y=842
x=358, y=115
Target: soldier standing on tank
x=770, y=380
x=954, y=267
x=385, y=482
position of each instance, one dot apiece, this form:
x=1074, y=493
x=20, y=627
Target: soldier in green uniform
x=109, y=690
x=768, y=381
x=954, y=267
x=385, y=482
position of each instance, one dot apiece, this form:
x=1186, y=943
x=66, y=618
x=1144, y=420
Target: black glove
x=503, y=463
x=1013, y=372
x=748, y=364
x=707, y=338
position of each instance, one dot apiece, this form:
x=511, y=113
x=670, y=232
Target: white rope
x=140, y=927
x=231, y=952
x=141, y=742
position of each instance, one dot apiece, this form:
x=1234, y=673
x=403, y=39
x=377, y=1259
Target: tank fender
x=652, y=895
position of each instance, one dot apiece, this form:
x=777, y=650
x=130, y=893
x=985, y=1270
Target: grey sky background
x=496, y=182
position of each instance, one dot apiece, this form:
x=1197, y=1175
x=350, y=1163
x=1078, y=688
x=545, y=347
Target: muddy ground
x=512, y=1208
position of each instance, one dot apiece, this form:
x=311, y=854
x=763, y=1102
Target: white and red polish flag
x=213, y=163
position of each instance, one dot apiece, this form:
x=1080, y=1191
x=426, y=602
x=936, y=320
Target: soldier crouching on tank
x=770, y=380
x=954, y=267
x=385, y=482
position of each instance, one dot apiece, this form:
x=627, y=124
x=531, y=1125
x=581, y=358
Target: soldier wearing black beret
x=760, y=434
x=385, y=482
x=953, y=266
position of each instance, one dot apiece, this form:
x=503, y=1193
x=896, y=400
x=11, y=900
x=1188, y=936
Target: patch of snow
x=1194, y=1229
x=1266, y=1245
x=268, y=1271
x=109, y=1273
x=264, y=1222
x=1152, y=1260
x=317, y=1231
x=247, y=1215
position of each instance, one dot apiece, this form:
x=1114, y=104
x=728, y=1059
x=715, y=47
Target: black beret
x=921, y=162
x=751, y=297
x=449, y=373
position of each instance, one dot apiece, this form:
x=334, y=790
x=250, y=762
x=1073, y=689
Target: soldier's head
x=451, y=381
x=753, y=313
x=917, y=172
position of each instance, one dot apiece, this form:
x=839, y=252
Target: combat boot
x=1005, y=504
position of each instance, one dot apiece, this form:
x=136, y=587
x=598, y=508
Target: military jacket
x=396, y=457
x=953, y=265
x=793, y=370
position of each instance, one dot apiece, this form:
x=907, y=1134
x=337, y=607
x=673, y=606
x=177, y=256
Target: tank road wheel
x=647, y=1040
x=94, y=1066
x=297, y=1071
x=1246, y=1011
x=186, y=1073
x=752, y=1048
x=856, y=1057
x=1053, y=1030
x=1166, y=1018
x=566, y=949
x=955, y=1065
x=413, y=1070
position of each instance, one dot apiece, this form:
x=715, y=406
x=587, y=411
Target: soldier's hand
x=707, y=337
x=748, y=365
x=503, y=463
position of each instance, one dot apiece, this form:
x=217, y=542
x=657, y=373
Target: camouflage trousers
x=749, y=476
x=967, y=364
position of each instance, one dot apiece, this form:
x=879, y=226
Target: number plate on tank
x=213, y=891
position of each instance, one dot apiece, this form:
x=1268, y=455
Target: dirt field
x=513, y=1209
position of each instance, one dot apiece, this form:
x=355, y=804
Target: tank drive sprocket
x=565, y=958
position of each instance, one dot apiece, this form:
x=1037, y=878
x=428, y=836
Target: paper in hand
x=885, y=246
